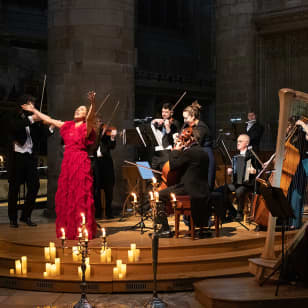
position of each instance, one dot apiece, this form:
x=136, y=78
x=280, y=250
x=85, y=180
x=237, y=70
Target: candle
x=137, y=255
x=83, y=219
x=173, y=197
x=115, y=273
x=79, y=233
x=18, y=267
x=45, y=275
x=103, y=232
x=156, y=195
x=46, y=253
x=52, y=252
x=24, y=265
x=48, y=269
x=86, y=234
x=87, y=260
x=151, y=195
x=131, y=256
x=154, y=181
x=58, y=266
x=135, y=197
x=12, y=271
x=133, y=246
x=120, y=276
x=123, y=270
x=63, y=234
x=52, y=244
x=53, y=270
x=119, y=263
x=103, y=256
x=108, y=251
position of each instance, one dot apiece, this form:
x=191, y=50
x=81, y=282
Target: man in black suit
x=254, y=130
x=25, y=134
x=192, y=164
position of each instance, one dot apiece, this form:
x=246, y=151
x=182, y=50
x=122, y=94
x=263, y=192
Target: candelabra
x=83, y=250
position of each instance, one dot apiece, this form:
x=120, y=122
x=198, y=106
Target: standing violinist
x=103, y=169
x=163, y=130
x=191, y=116
x=191, y=162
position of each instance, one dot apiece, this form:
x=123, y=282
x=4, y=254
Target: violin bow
x=112, y=115
x=255, y=155
x=137, y=165
x=103, y=103
x=178, y=101
x=43, y=91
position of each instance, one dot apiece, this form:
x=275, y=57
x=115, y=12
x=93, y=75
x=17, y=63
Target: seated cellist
x=192, y=162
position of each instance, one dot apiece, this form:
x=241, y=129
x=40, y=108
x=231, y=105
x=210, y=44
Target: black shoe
x=29, y=222
x=13, y=224
x=165, y=234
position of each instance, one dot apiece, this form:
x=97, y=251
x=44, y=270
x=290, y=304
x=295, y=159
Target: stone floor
x=26, y=299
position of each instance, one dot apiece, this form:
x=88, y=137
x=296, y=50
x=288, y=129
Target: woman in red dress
x=75, y=184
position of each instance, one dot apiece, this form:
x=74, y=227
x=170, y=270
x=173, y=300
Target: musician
x=189, y=159
x=25, y=135
x=191, y=116
x=103, y=170
x=254, y=130
x=297, y=189
x=163, y=130
x=244, y=169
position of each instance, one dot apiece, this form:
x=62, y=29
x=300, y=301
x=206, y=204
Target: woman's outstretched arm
x=91, y=113
x=45, y=118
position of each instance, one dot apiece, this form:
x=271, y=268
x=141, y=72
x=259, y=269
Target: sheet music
x=158, y=134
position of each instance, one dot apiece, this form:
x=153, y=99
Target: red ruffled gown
x=75, y=184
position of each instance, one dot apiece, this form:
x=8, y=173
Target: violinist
x=191, y=162
x=163, y=130
x=103, y=170
x=191, y=116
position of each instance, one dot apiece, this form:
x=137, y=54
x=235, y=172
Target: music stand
x=278, y=205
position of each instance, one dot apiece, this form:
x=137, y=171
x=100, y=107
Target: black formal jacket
x=205, y=138
x=168, y=138
x=194, y=161
x=255, y=133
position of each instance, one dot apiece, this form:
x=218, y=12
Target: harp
x=291, y=102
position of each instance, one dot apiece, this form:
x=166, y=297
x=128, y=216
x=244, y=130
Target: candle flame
x=154, y=180
x=151, y=195
x=173, y=197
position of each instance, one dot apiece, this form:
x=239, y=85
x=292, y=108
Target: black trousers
x=241, y=192
x=23, y=170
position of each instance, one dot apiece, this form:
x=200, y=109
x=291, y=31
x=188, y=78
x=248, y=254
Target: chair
x=183, y=208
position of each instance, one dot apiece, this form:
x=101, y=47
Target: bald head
x=243, y=142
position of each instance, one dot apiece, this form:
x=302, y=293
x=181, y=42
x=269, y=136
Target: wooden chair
x=183, y=208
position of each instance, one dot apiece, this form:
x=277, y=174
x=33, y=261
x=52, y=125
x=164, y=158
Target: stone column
x=90, y=47
x=235, y=62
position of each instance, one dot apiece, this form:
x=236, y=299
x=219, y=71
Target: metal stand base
x=83, y=303
x=156, y=302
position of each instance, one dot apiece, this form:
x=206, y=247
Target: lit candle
x=119, y=263
x=154, y=181
x=47, y=253
x=79, y=233
x=45, y=275
x=53, y=270
x=86, y=235
x=137, y=255
x=63, y=234
x=24, y=265
x=133, y=246
x=48, y=269
x=135, y=197
x=130, y=256
x=58, y=268
x=52, y=244
x=108, y=251
x=173, y=197
x=151, y=195
x=156, y=195
x=52, y=251
x=115, y=273
x=83, y=219
x=120, y=276
x=103, y=232
x=123, y=270
x=18, y=267
x=12, y=271
x=103, y=256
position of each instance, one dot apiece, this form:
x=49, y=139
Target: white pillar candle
x=24, y=265
x=119, y=263
x=52, y=244
x=53, y=270
x=123, y=270
x=52, y=252
x=120, y=276
x=130, y=256
x=46, y=253
x=156, y=196
x=137, y=255
x=48, y=269
x=103, y=256
x=109, y=258
x=58, y=266
x=12, y=271
x=115, y=273
x=18, y=267
x=133, y=246
x=45, y=275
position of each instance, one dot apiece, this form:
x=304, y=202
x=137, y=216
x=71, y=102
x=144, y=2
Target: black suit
x=193, y=164
x=104, y=178
x=255, y=133
x=22, y=167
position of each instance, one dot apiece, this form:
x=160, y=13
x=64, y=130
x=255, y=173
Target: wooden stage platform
x=182, y=261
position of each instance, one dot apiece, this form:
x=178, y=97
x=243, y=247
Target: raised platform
x=246, y=293
x=181, y=261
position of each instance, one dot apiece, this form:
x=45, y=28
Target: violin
x=108, y=130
